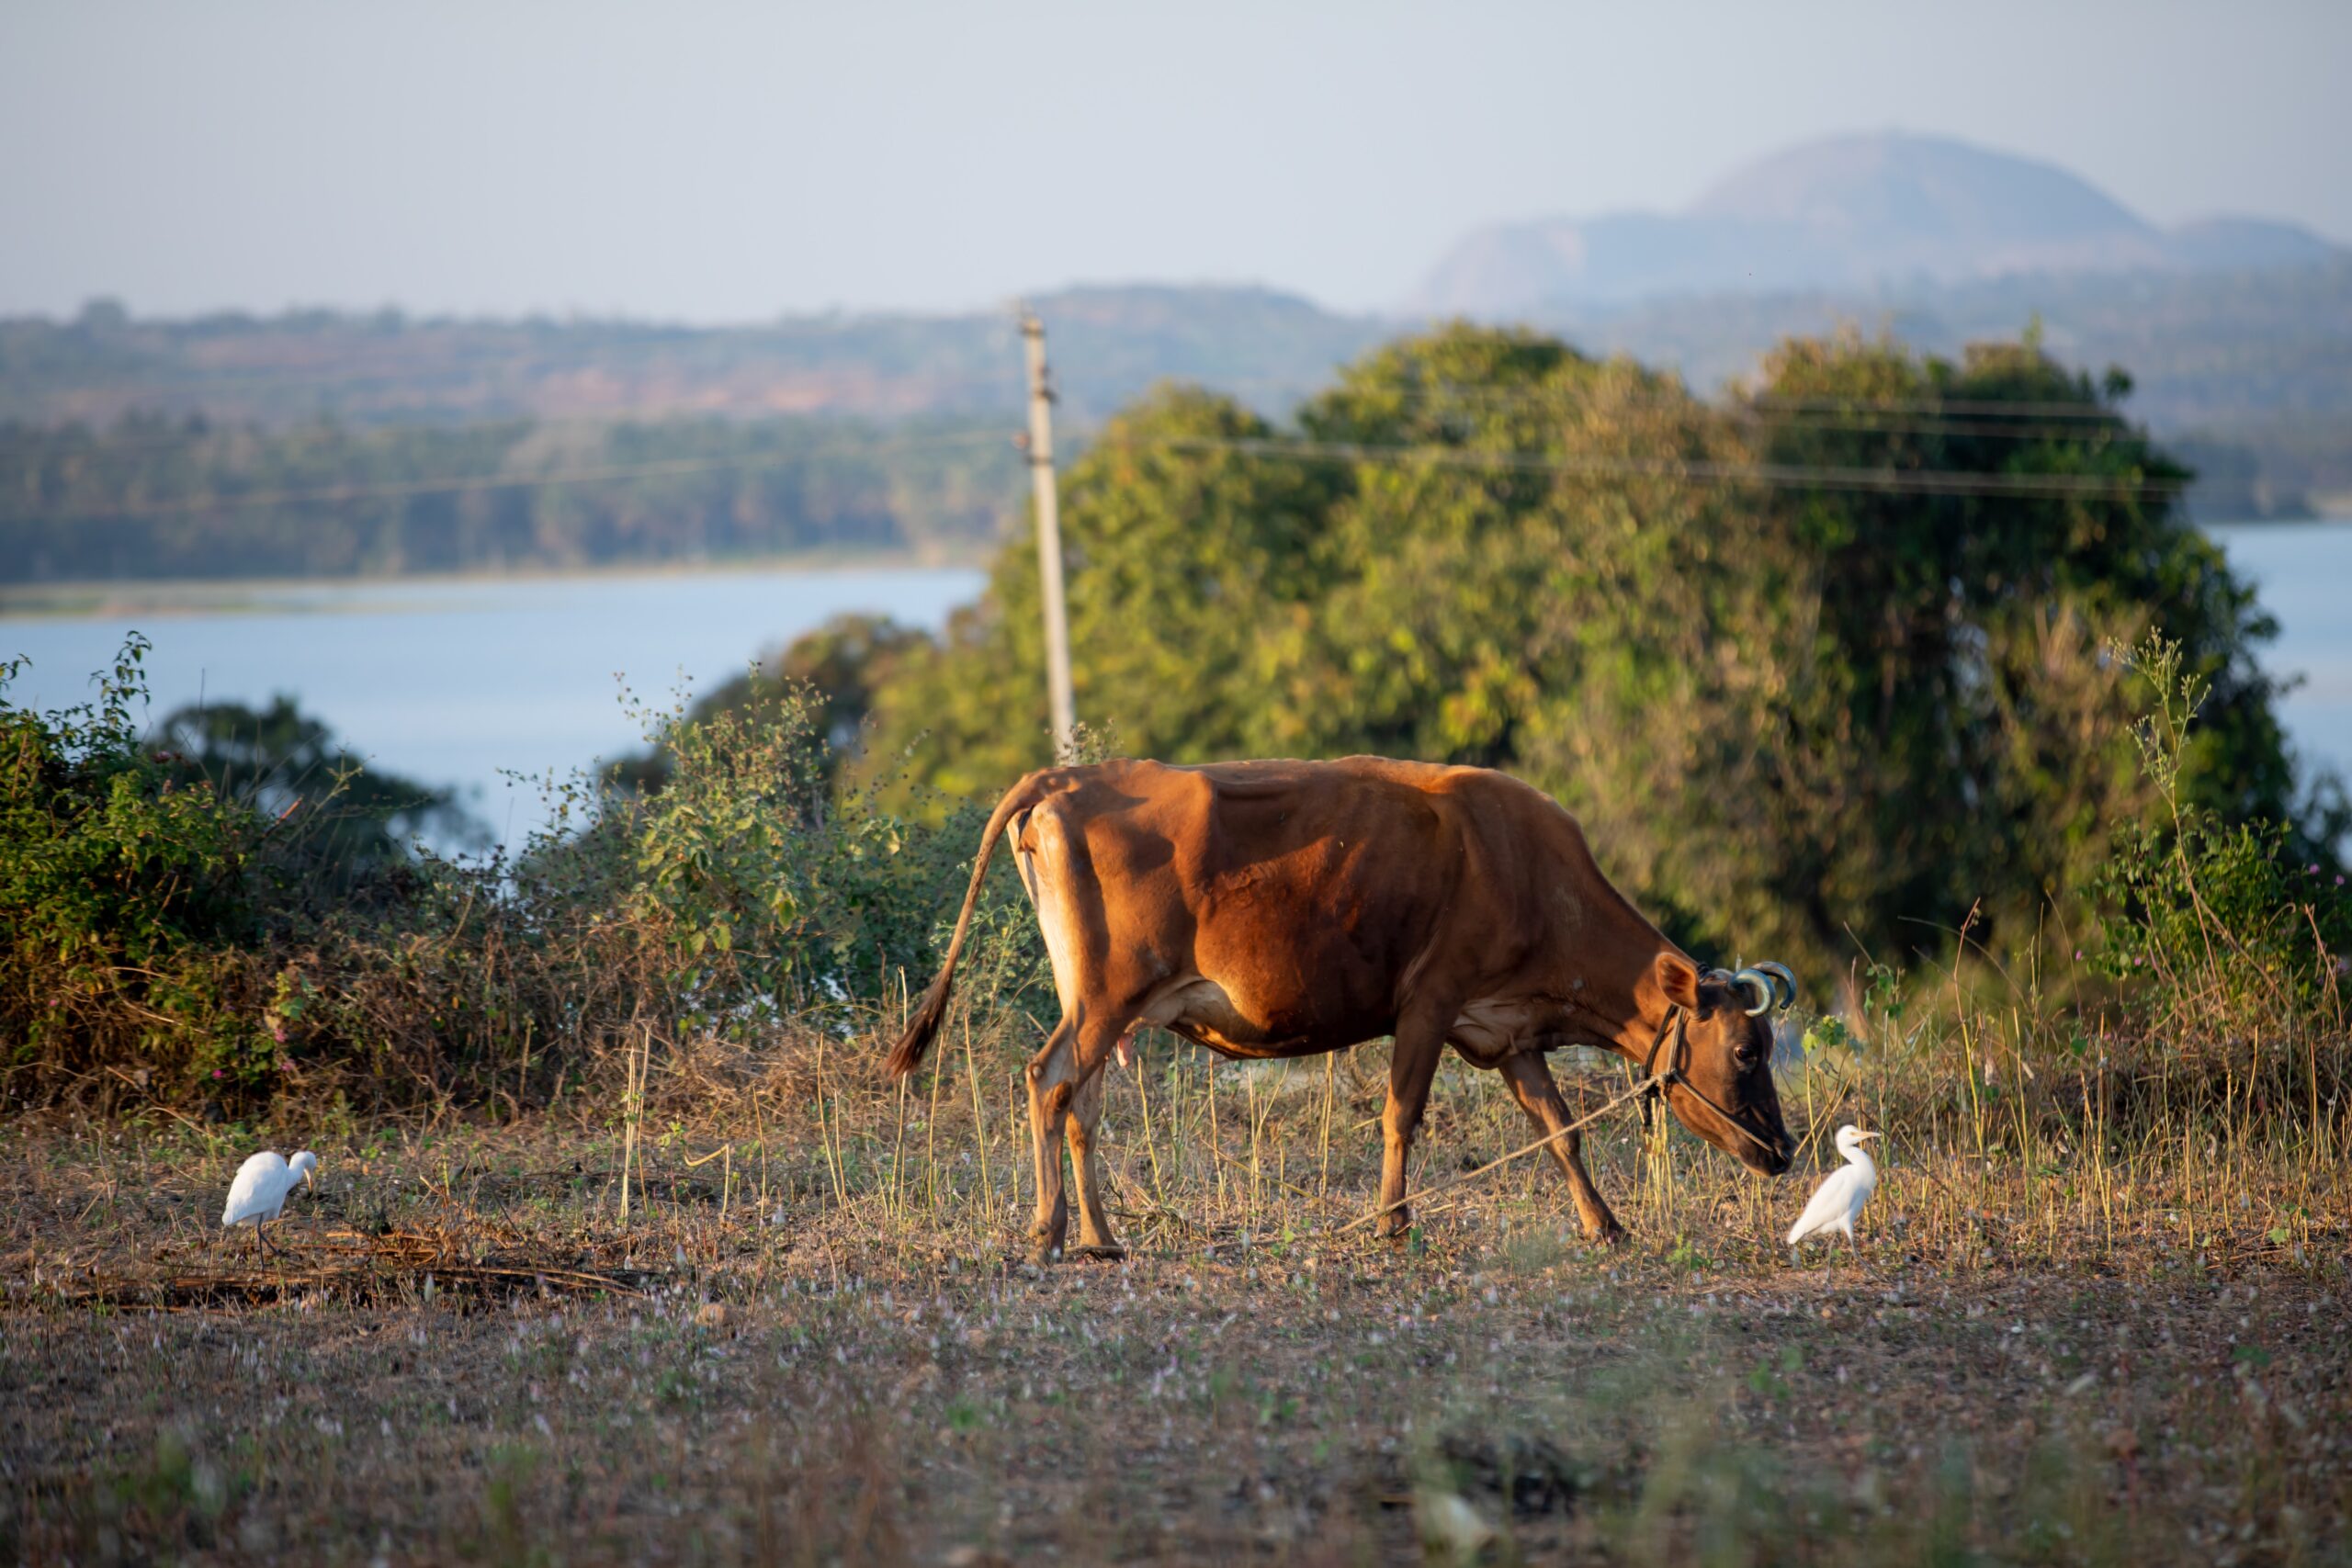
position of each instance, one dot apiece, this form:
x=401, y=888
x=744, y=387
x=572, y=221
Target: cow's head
x=1727, y=1022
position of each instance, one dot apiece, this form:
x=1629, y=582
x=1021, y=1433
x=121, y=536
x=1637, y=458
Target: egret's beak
x=1859, y=1137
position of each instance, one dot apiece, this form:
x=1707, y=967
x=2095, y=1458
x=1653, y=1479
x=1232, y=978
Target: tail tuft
x=915, y=1044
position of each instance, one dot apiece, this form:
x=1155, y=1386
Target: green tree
x=1188, y=564
x=1792, y=714
x=346, y=820
x=824, y=681
x=1943, y=730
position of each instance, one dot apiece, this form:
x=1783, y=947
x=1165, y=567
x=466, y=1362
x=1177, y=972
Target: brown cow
x=1282, y=908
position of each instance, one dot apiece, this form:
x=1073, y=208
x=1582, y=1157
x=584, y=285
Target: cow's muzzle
x=1766, y=1155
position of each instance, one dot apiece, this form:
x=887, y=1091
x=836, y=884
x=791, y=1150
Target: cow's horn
x=1784, y=984
x=1760, y=987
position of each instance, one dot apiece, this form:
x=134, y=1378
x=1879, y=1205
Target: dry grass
x=2110, y=1335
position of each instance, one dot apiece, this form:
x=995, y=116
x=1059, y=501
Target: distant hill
x=1107, y=345
x=2248, y=374
x=462, y=439
x=325, y=443
x=1849, y=212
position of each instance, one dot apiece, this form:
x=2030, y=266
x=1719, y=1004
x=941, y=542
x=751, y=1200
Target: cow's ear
x=1679, y=979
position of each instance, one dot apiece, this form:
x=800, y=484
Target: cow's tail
x=908, y=1054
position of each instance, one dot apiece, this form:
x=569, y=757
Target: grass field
x=816, y=1336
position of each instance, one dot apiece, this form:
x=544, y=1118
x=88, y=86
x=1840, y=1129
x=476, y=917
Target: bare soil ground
x=838, y=1356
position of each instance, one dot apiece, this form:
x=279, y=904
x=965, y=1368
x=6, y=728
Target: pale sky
x=706, y=162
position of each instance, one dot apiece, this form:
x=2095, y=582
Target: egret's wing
x=259, y=1179
x=1830, y=1203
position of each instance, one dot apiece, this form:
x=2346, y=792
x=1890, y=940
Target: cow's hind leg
x=1049, y=1098
x=1532, y=1086
x=1094, y=1237
x=1412, y=1063
x=1069, y=1066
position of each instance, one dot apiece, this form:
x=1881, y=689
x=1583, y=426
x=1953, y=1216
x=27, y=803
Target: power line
x=1763, y=402
x=1930, y=481
x=1914, y=481
x=2095, y=413
x=1848, y=418
x=1947, y=405
x=395, y=489
x=1769, y=402
x=194, y=382
x=1867, y=423
x=1862, y=418
x=177, y=423
x=18, y=436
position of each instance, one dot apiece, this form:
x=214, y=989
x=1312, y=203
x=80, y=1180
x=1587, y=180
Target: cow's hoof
x=1100, y=1251
x=1611, y=1235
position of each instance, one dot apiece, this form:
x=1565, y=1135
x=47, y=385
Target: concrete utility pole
x=1049, y=538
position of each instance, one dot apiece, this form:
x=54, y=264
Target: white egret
x=1842, y=1193
x=258, y=1195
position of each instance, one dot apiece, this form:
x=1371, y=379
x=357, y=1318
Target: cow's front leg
x=1532, y=1086
x=1051, y=1088
x=1095, y=1238
x=1411, y=1065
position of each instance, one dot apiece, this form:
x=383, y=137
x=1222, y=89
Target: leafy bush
x=118, y=877
x=835, y=667
x=2237, y=923
x=108, y=856
x=229, y=911
x=769, y=896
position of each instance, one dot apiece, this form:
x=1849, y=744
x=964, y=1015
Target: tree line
x=155, y=496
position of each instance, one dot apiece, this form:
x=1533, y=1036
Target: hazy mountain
x=1844, y=213
x=2247, y=373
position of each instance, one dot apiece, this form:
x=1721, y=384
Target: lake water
x=451, y=682
x=2304, y=573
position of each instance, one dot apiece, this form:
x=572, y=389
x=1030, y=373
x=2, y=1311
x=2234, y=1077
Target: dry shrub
x=170, y=946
